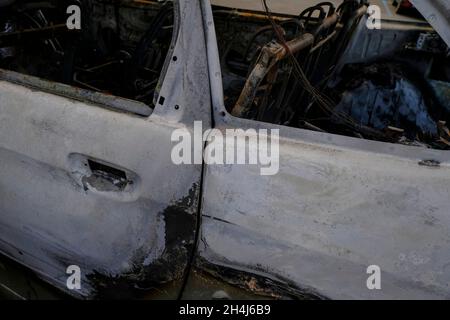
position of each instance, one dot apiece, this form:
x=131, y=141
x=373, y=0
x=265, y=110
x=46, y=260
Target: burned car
x=358, y=91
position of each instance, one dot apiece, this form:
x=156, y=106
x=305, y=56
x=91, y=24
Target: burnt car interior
x=120, y=49
x=290, y=70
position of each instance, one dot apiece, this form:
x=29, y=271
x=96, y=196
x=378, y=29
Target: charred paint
x=181, y=221
x=258, y=282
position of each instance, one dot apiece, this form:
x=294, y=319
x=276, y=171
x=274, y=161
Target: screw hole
x=175, y=58
x=177, y=107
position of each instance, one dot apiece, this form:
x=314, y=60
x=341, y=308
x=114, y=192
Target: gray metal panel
x=437, y=13
x=330, y=212
x=49, y=220
x=337, y=206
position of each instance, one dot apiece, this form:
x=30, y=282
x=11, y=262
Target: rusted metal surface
x=270, y=55
x=294, y=7
x=250, y=15
x=274, y=52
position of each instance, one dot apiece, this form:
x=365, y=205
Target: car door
x=86, y=180
x=343, y=218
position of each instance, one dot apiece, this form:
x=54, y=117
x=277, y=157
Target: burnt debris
x=294, y=71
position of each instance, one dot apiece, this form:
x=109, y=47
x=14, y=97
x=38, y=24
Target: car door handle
x=102, y=177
